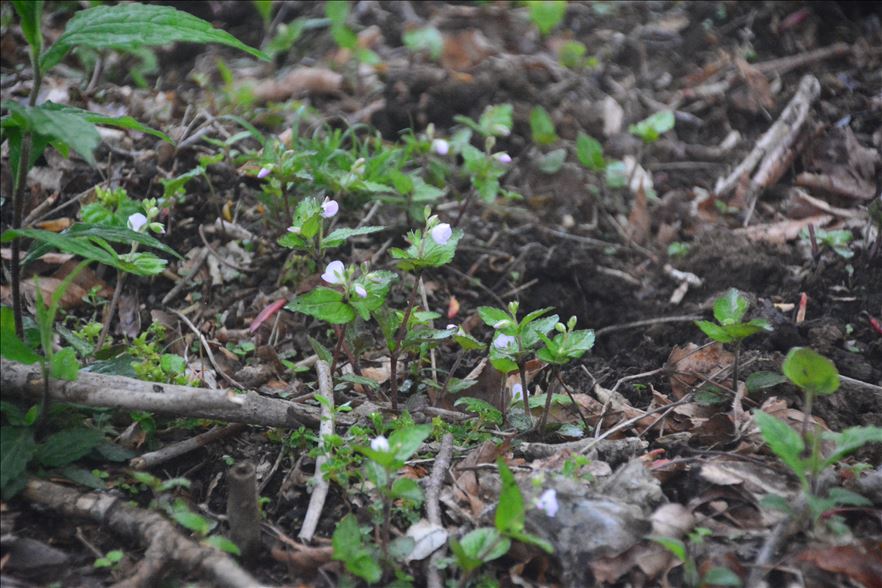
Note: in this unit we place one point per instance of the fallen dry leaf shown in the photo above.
(302, 80)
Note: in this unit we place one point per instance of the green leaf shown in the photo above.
(376, 285)
(121, 122)
(16, 450)
(339, 236)
(811, 371)
(494, 316)
(63, 129)
(11, 347)
(482, 408)
(135, 25)
(762, 380)
(616, 174)
(714, 331)
(844, 497)
(224, 544)
(403, 443)
(531, 539)
(850, 440)
(479, 546)
(590, 152)
(324, 304)
(553, 161)
(67, 446)
(783, 441)
(730, 307)
(542, 127)
(675, 546)
(349, 548)
(495, 121)
(720, 576)
(191, 521)
(30, 13)
(546, 14)
(502, 363)
(337, 11)
(83, 477)
(407, 489)
(323, 352)
(654, 126)
(711, 396)
(424, 252)
(467, 342)
(510, 510)
(426, 39)
(121, 235)
(64, 364)
(776, 502)
(740, 331)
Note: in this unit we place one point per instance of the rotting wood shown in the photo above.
(166, 547)
(130, 394)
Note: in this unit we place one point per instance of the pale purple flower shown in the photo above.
(440, 146)
(502, 157)
(517, 392)
(137, 222)
(329, 208)
(359, 289)
(264, 172)
(380, 444)
(452, 327)
(334, 272)
(441, 233)
(503, 341)
(295, 229)
(547, 502)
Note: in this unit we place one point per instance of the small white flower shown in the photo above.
(441, 233)
(440, 146)
(503, 341)
(137, 222)
(502, 157)
(329, 208)
(547, 502)
(380, 443)
(294, 229)
(334, 272)
(359, 289)
(452, 327)
(517, 393)
(264, 172)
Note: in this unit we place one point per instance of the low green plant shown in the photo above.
(567, 345)
(110, 559)
(542, 126)
(151, 365)
(337, 11)
(802, 452)
(546, 14)
(654, 126)
(838, 241)
(424, 40)
(729, 310)
(686, 553)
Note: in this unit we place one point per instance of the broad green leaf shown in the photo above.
(842, 496)
(720, 576)
(480, 407)
(546, 14)
(552, 162)
(850, 440)
(135, 25)
(590, 152)
(16, 449)
(739, 331)
(531, 539)
(30, 12)
(467, 342)
(715, 331)
(337, 11)
(510, 509)
(424, 252)
(776, 502)
(376, 285)
(324, 304)
(264, 8)
(494, 316)
(730, 307)
(64, 364)
(121, 122)
(542, 127)
(426, 39)
(783, 441)
(675, 546)
(531, 331)
(11, 347)
(572, 54)
(408, 489)
(224, 544)
(67, 446)
(360, 380)
(192, 521)
(349, 548)
(405, 442)
(762, 380)
(811, 371)
(64, 130)
(484, 544)
(502, 363)
(339, 236)
(83, 477)
(654, 126)
(495, 121)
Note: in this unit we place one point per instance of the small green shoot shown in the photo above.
(654, 126)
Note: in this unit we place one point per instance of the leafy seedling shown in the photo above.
(546, 14)
(568, 344)
(729, 309)
(542, 127)
(653, 126)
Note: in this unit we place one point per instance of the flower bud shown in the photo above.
(380, 443)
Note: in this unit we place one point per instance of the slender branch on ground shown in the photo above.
(208, 350)
(175, 450)
(326, 428)
(433, 510)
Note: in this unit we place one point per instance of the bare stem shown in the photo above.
(399, 337)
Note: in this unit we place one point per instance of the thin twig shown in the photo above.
(433, 510)
(647, 322)
(170, 452)
(326, 428)
(208, 351)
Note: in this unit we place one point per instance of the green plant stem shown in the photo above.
(399, 338)
(575, 404)
(809, 438)
(341, 332)
(465, 205)
(522, 371)
(387, 518)
(735, 367)
(552, 380)
(114, 302)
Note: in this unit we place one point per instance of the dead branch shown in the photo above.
(120, 392)
(320, 491)
(243, 513)
(165, 545)
(845, 187)
(169, 452)
(433, 510)
(784, 131)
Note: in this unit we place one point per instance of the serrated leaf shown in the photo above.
(714, 331)
(542, 127)
(67, 446)
(407, 489)
(811, 371)
(64, 364)
(783, 441)
(552, 162)
(762, 380)
(62, 129)
(652, 127)
(496, 120)
(16, 450)
(509, 516)
(730, 307)
(339, 236)
(589, 151)
(11, 347)
(135, 25)
(850, 440)
(324, 304)
(493, 316)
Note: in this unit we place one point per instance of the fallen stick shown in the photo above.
(165, 545)
(783, 131)
(433, 509)
(120, 392)
(326, 428)
(170, 452)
